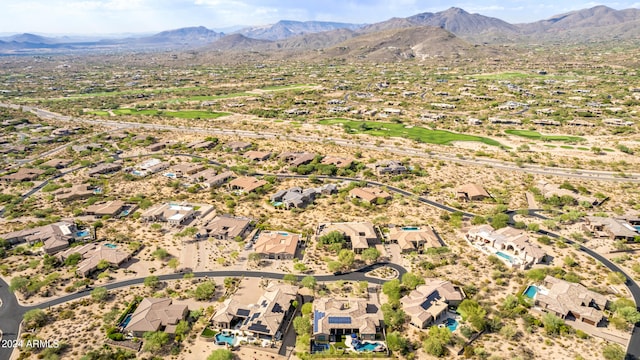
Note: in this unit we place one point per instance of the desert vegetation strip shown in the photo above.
(400, 130)
(534, 135)
(286, 87)
(118, 93)
(183, 114)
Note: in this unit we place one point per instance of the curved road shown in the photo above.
(11, 311)
(10, 303)
(405, 151)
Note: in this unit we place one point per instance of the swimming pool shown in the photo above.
(276, 203)
(411, 228)
(82, 233)
(367, 346)
(531, 291)
(637, 228)
(505, 256)
(125, 212)
(452, 324)
(111, 246)
(137, 173)
(283, 233)
(126, 320)
(221, 339)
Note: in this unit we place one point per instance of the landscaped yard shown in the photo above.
(534, 135)
(400, 130)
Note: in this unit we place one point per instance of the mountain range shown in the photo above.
(599, 23)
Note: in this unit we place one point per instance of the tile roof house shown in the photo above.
(333, 318)
(23, 174)
(339, 162)
(369, 194)
(210, 178)
(264, 319)
(174, 214)
(104, 168)
(612, 228)
(359, 235)
(237, 146)
(93, 254)
(76, 192)
(299, 198)
(185, 169)
(510, 244)
(58, 163)
(277, 245)
(56, 237)
(257, 155)
(571, 301)
(110, 208)
(297, 158)
(227, 227)
(413, 238)
(156, 314)
(471, 192)
(389, 167)
(428, 303)
(247, 184)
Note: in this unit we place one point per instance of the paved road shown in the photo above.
(407, 150)
(633, 349)
(11, 312)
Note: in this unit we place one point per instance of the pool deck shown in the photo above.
(241, 336)
(349, 347)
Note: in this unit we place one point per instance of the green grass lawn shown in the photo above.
(183, 114)
(400, 130)
(534, 135)
(567, 147)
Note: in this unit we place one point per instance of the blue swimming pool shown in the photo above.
(82, 233)
(225, 338)
(452, 324)
(505, 256)
(125, 212)
(637, 228)
(276, 203)
(531, 291)
(283, 233)
(367, 346)
(126, 320)
(111, 246)
(411, 228)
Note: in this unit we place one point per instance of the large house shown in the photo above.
(414, 238)
(359, 235)
(112, 209)
(428, 303)
(510, 244)
(471, 192)
(277, 245)
(227, 227)
(571, 301)
(185, 169)
(55, 237)
(255, 155)
(175, 214)
(612, 228)
(246, 184)
(297, 158)
(210, 178)
(93, 254)
(23, 174)
(389, 167)
(369, 194)
(76, 192)
(156, 314)
(299, 198)
(105, 168)
(333, 318)
(266, 319)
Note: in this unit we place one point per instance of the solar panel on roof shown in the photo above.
(339, 320)
(277, 308)
(243, 312)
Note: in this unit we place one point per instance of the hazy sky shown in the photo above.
(119, 16)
